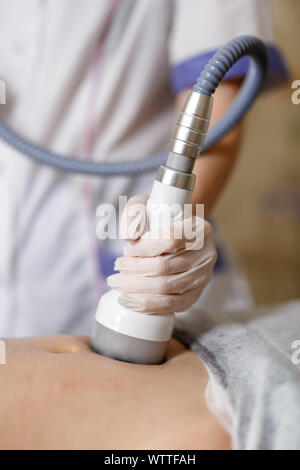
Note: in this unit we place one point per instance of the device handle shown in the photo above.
(165, 205)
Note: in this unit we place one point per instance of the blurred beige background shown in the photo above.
(259, 213)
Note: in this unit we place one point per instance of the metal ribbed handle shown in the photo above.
(192, 125)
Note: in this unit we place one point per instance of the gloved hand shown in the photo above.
(162, 275)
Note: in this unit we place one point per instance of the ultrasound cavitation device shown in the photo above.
(118, 332)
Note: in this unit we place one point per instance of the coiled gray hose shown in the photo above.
(206, 84)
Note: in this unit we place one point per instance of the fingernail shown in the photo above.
(116, 265)
(132, 229)
(111, 281)
(131, 232)
(126, 301)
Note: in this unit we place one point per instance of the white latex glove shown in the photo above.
(162, 275)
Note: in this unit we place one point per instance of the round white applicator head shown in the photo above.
(130, 336)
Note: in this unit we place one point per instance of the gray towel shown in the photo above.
(252, 358)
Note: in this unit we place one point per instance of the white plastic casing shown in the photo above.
(150, 327)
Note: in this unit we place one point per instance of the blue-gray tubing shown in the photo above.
(208, 81)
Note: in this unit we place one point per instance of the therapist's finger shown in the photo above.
(160, 304)
(134, 218)
(166, 285)
(148, 246)
(158, 265)
(188, 233)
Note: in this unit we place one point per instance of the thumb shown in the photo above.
(134, 220)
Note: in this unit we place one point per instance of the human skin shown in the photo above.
(57, 394)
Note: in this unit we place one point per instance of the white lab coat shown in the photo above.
(82, 83)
